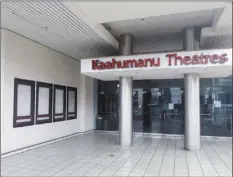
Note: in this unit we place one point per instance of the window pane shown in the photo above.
(71, 96)
(24, 100)
(216, 106)
(43, 107)
(59, 101)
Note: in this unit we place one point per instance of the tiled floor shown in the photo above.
(98, 154)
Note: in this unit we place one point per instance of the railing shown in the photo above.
(216, 119)
(157, 115)
(174, 116)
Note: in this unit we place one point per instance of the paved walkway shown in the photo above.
(98, 154)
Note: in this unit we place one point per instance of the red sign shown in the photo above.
(173, 59)
(132, 63)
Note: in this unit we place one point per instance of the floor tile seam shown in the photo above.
(141, 143)
(223, 151)
(83, 158)
(35, 162)
(219, 147)
(199, 163)
(174, 167)
(90, 160)
(163, 158)
(96, 164)
(221, 159)
(216, 154)
(209, 159)
(137, 160)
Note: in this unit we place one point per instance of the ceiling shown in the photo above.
(153, 19)
(165, 25)
(104, 12)
(77, 29)
(160, 25)
(54, 25)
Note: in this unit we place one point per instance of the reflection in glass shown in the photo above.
(216, 106)
(158, 106)
(108, 106)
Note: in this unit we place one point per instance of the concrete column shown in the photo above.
(192, 94)
(125, 123)
(126, 128)
(126, 44)
(95, 111)
(192, 111)
(192, 37)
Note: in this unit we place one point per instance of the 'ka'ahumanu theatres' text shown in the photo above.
(173, 59)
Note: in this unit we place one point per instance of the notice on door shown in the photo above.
(217, 104)
(170, 106)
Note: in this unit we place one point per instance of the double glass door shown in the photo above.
(158, 107)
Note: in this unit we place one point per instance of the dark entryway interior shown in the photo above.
(158, 106)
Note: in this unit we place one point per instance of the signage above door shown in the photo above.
(206, 63)
(172, 59)
(131, 63)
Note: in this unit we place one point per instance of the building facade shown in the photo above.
(185, 93)
(156, 69)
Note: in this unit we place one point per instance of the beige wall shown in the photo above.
(26, 59)
(86, 103)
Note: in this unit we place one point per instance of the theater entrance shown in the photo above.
(158, 106)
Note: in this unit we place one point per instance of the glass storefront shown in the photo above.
(158, 106)
(216, 106)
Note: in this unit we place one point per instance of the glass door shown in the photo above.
(108, 105)
(156, 111)
(173, 110)
(158, 106)
(167, 110)
(138, 110)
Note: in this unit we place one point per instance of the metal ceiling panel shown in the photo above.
(52, 24)
(216, 42)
